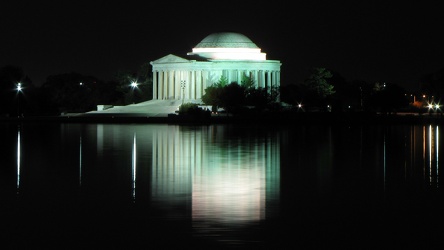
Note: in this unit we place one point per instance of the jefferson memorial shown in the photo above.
(175, 79)
(226, 54)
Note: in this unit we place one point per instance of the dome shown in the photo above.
(228, 46)
(226, 40)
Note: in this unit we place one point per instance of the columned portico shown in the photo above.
(230, 55)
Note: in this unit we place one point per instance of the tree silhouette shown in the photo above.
(318, 82)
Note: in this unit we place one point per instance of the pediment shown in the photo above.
(170, 59)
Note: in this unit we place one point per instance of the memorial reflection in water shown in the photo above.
(220, 181)
(227, 181)
(216, 174)
(196, 168)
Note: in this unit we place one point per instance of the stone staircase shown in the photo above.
(152, 108)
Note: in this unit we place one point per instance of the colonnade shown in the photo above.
(191, 84)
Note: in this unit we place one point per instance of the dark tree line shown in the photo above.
(432, 85)
(322, 90)
(325, 90)
(70, 92)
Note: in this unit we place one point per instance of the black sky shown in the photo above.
(370, 41)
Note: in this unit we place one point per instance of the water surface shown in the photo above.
(149, 185)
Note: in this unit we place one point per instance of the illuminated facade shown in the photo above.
(231, 55)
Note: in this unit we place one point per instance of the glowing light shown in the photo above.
(19, 89)
(430, 106)
(230, 53)
(300, 107)
(134, 84)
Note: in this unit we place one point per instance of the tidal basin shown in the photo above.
(69, 185)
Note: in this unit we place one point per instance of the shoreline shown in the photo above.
(264, 119)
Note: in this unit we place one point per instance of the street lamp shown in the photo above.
(133, 86)
(19, 90)
(300, 108)
(182, 85)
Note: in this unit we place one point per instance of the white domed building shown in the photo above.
(227, 54)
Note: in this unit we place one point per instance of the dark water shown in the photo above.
(151, 186)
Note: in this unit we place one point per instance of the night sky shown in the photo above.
(369, 41)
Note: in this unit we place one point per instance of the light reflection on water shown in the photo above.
(18, 159)
(222, 178)
(433, 148)
(193, 172)
(225, 182)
